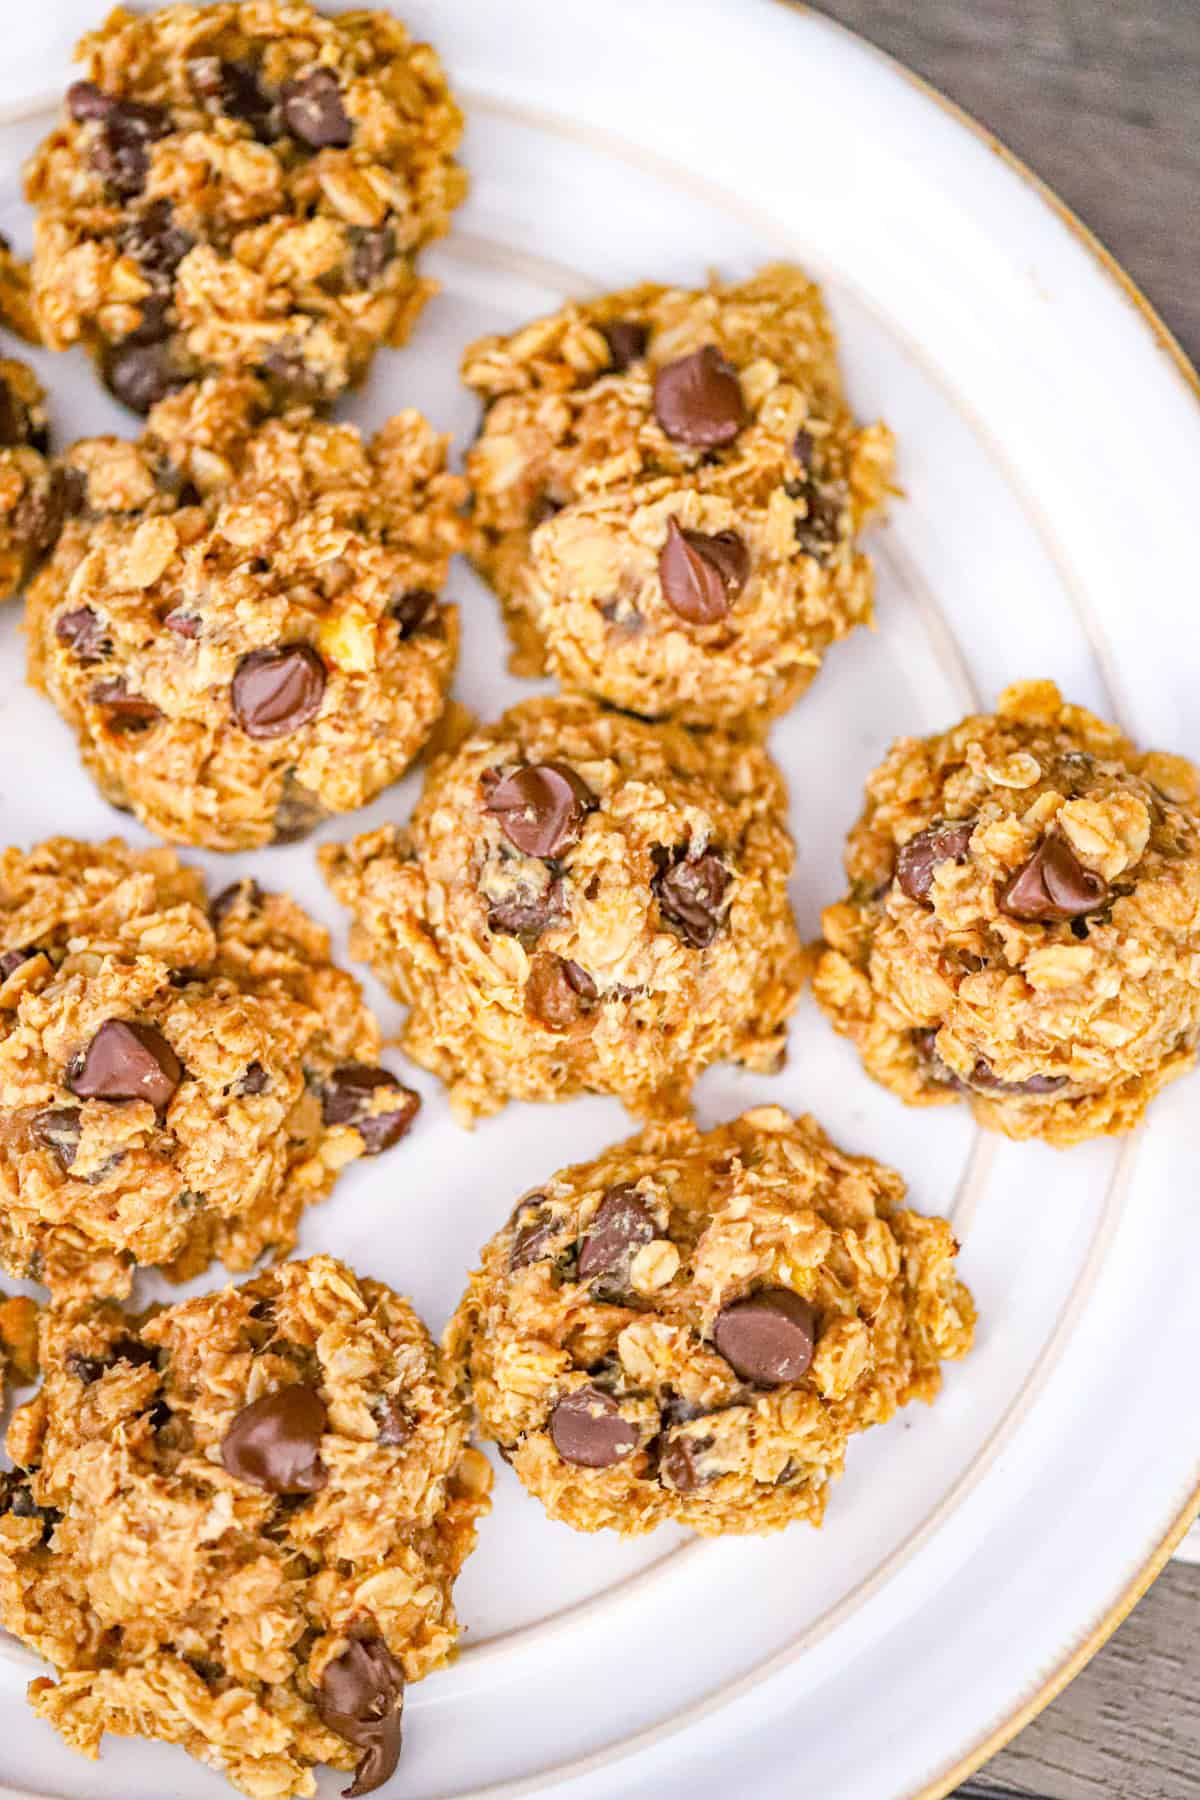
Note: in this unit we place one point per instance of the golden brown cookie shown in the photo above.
(240, 621)
(692, 1325)
(242, 187)
(33, 494)
(1022, 928)
(668, 488)
(235, 1524)
(582, 903)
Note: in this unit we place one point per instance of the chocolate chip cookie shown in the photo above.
(242, 187)
(583, 902)
(240, 620)
(179, 1078)
(692, 1326)
(235, 1524)
(1022, 929)
(668, 488)
(33, 494)
(18, 1340)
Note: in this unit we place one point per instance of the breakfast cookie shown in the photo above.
(691, 1326)
(178, 1079)
(1022, 928)
(240, 620)
(235, 1524)
(33, 497)
(242, 187)
(582, 903)
(668, 487)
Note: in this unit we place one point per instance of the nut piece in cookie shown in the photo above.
(240, 619)
(692, 1326)
(582, 903)
(1022, 929)
(242, 188)
(178, 1079)
(668, 488)
(216, 1541)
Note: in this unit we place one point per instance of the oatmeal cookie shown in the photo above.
(16, 302)
(33, 495)
(178, 1080)
(1022, 928)
(240, 619)
(242, 187)
(583, 902)
(691, 1326)
(667, 491)
(235, 1524)
(18, 1340)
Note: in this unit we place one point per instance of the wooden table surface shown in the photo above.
(1102, 99)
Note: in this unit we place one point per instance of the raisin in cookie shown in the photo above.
(692, 1326)
(583, 902)
(177, 1080)
(1023, 922)
(667, 491)
(242, 187)
(235, 1524)
(33, 494)
(240, 620)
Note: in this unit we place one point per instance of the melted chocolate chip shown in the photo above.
(925, 1045)
(622, 1223)
(85, 101)
(524, 913)
(534, 1233)
(690, 891)
(120, 153)
(372, 252)
(182, 624)
(156, 243)
(411, 608)
(626, 341)
(767, 1338)
(57, 1129)
(275, 692)
(818, 532)
(983, 1079)
(16, 422)
(126, 1061)
(702, 575)
(361, 1699)
(803, 445)
(588, 1430)
(698, 400)
(313, 110)
(541, 807)
(346, 1099)
(234, 88)
(291, 381)
(395, 1426)
(275, 1442)
(88, 1369)
(16, 1497)
(140, 374)
(127, 711)
(83, 633)
(679, 1465)
(12, 960)
(254, 1081)
(244, 893)
(558, 993)
(947, 840)
(1053, 885)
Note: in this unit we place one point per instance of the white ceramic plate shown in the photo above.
(1048, 448)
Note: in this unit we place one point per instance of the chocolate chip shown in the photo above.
(120, 153)
(57, 1129)
(275, 1442)
(126, 710)
(558, 993)
(690, 891)
(346, 1097)
(361, 1699)
(85, 101)
(126, 1061)
(254, 1081)
(291, 381)
(587, 1429)
(544, 507)
(1053, 885)
(277, 691)
(16, 1497)
(698, 400)
(41, 511)
(701, 575)
(767, 1338)
(313, 110)
(395, 1426)
(234, 87)
(373, 250)
(925, 1045)
(126, 1349)
(626, 342)
(679, 1465)
(16, 423)
(182, 624)
(244, 893)
(946, 840)
(154, 241)
(82, 632)
(988, 1083)
(12, 960)
(803, 445)
(524, 913)
(410, 609)
(541, 807)
(622, 1223)
(141, 374)
(818, 532)
(85, 1369)
(533, 1234)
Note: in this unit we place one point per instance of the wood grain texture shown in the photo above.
(1102, 99)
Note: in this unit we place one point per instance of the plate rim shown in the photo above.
(1119, 1609)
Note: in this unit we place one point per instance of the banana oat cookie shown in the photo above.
(178, 1079)
(240, 621)
(692, 1326)
(242, 187)
(235, 1525)
(583, 902)
(668, 488)
(1023, 923)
